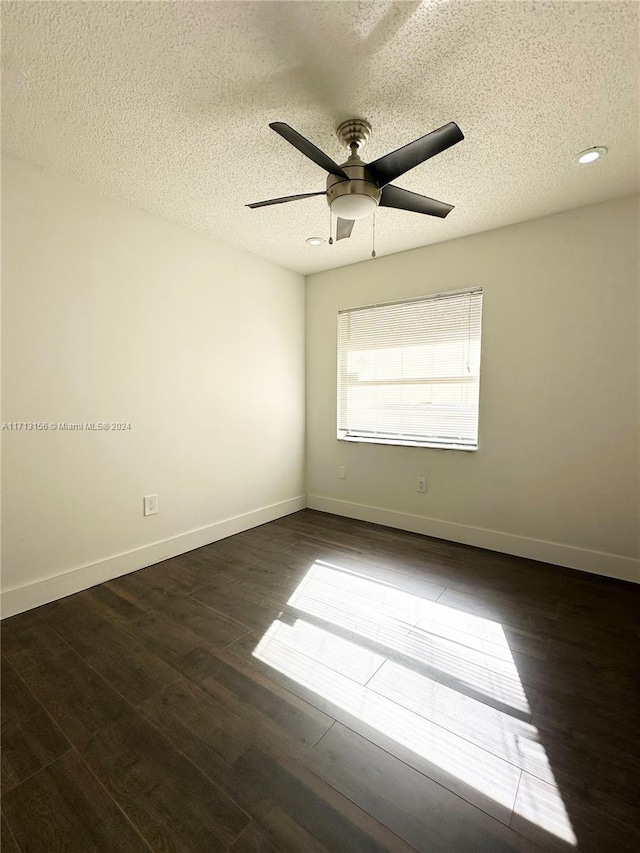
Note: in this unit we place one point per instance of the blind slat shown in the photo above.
(423, 380)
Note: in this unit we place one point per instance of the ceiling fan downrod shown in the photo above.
(354, 132)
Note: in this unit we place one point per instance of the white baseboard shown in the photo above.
(596, 562)
(43, 591)
(21, 598)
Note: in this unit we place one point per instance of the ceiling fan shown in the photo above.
(355, 188)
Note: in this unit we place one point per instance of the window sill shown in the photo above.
(396, 442)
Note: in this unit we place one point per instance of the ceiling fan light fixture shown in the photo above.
(590, 155)
(356, 188)
(353, 206)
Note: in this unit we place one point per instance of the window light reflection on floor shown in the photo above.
(468, 648)
(376, 654)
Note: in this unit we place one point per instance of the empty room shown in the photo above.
(320, 426)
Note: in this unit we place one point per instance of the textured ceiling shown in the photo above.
(167, 106)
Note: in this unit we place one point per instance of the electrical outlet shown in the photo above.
(342, 473)
(150, 504)
(421, 484)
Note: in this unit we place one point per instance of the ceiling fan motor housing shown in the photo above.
(356, 198)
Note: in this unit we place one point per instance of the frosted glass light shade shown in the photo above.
(353, 206)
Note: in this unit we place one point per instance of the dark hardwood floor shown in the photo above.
(322, 684)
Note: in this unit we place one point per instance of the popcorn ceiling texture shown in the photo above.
(166, 106)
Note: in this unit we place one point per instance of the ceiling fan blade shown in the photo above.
(406, 200)
(344, 228)
(391, 166)
(308, 149)
(281, 200)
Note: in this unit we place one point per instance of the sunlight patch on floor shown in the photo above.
(488, 755)
(468, 648)
(460, 759)
(541, 804)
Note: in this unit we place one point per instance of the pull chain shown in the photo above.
(330, 227)
(373, 253)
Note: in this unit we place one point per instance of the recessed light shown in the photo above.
(590, 155)
(314, 241)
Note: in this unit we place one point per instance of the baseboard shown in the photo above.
(21, 598)
(596, 562)
(43, 591)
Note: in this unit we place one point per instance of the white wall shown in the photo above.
(556, 476)
(112, 314)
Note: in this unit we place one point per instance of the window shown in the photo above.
(409, 372)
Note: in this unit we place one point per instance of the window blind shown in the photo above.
(409, 372)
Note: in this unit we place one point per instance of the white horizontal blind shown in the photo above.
(409, 372)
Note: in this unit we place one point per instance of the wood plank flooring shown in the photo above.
(322, 684)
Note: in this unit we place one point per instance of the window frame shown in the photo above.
(378, 437)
